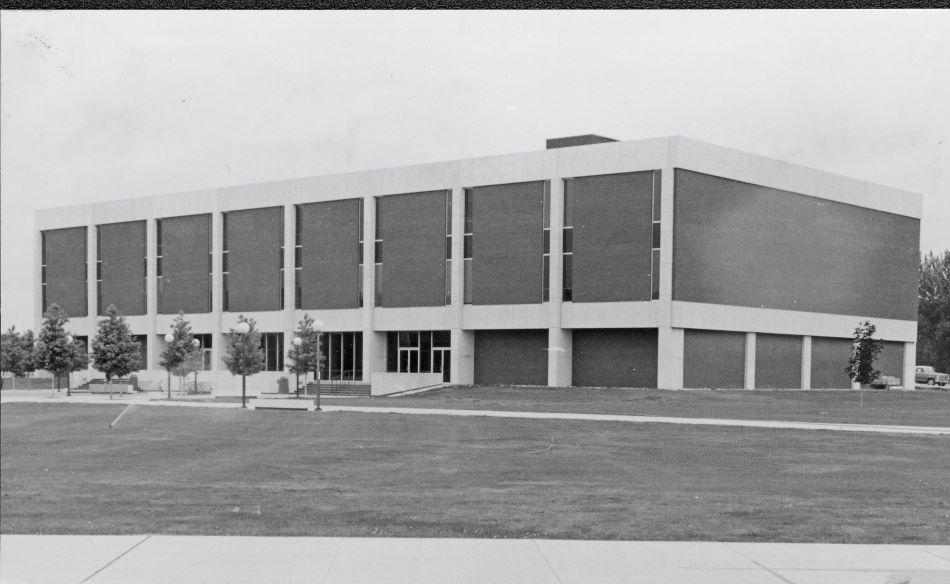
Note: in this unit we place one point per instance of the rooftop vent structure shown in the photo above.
(582, 140)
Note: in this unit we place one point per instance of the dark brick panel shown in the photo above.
(330, 242)
(515, 357)
(186, 248)
(829, 358)
(507, 243)
(66, 270)
(613, 234)
(778, 362)
(615, 357)
(746, 245)
(891, 360)
(122, 255)
(713, 359)
(413, 234)
(254, 250)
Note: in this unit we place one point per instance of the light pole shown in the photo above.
(197, 345)
(243, 328)
(69, 374)
(169, 338)
(297, 342)
(318, 327)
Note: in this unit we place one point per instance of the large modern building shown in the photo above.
(665, 263)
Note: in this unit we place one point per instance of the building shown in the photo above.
(664, 263)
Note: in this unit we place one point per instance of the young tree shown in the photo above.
(306, 358)
(933, 312)
(54, 351)
(114, 352)
(179, 351)
(864, 350)
(245, 356)
(16, 353)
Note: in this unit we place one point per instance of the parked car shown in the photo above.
(926, 374)
(886, 382)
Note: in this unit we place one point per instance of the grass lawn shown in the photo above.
(918, 408)
(211, 471)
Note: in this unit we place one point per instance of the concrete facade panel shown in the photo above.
(612, 236)
(65, 255)
(254, 249)
(507, 243)
(331, 255)
(741, 244)
(413, 243)
(122, 267)
(778, 362)
(714, 359)
(615, 358)
(511, 357)
(186, 264)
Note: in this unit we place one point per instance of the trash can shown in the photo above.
(283, 386)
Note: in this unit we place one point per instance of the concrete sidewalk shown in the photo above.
(150, 400)
(38, 559)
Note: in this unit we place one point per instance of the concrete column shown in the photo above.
(463, 357)
(669, 339)
(151, 293)
(92, 254)
(374, 344)
(217, 289)
(560, 357)
(750, 361)
(910, 365)
(560, 341)
(38, 308)
(670, 355)
(462, 368)
(289, 297)
(806, 362)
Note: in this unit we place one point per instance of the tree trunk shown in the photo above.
(243, 389)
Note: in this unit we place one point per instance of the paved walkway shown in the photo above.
(150, 400)
(331, 560)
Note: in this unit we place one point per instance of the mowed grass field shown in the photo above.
(177, 470)
(917, 408)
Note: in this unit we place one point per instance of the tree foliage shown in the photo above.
(933, 312)
(864, 350)
(16, 352)
(306, 358)
(181, 355)
(114, 352)
(54, 352)
(244, 356)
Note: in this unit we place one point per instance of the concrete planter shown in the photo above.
(114, 388)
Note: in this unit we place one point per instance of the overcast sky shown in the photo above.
(108, 105)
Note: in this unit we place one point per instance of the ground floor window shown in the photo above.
(142, 340)
(419, 352)
(204, 343)
(273, 346)
(342, 356)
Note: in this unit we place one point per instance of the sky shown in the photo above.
(97, 106)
